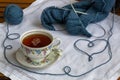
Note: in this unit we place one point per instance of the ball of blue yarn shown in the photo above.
(13, 14)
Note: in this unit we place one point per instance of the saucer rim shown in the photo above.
(29, 65)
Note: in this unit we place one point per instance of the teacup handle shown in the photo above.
(56, 42)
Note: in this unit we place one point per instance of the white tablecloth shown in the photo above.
(70, 56)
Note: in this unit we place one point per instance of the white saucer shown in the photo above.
(51, 58)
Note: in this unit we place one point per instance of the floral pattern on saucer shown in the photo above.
(45, 60)
(49, 59)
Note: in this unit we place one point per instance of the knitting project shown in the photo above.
(76, 22)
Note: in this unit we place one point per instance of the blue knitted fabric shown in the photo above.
(13, 14)
(76, 24)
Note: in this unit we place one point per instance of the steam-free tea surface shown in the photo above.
(36, 40)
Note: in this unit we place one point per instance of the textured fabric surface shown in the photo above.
(76, 24)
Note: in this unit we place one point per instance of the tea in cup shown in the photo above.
(37, 44)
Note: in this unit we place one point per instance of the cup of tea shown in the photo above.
(37, 44)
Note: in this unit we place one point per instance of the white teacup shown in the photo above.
(37, 44)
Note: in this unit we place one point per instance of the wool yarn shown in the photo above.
(76, 23)
(13, 14)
